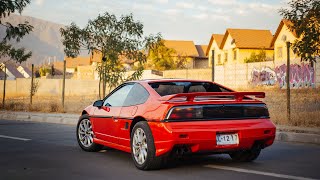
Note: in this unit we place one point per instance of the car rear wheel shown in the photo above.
(85, 135)
(143, 151)
(246, 155)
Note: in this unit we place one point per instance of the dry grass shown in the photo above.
(73, 104)
(305, 105)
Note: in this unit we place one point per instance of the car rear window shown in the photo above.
(168, 88)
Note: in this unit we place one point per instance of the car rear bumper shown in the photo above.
(200, 136)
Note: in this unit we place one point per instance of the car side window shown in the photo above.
(118, 97)
(137, 95)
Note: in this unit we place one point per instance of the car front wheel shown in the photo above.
(85, 135)
(143, 150)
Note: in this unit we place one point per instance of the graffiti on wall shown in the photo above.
(264, 76)
(300, 76)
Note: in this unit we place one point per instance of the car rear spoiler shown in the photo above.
(238, 96)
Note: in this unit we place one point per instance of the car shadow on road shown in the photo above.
(195, 160)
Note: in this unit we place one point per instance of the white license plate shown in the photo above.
(227, 139)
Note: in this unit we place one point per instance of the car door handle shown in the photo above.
(115, 120)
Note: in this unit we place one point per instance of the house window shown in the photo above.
(225, 57)
(219, 58)
(279, 52)
(234, 54)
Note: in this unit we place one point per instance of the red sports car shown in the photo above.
(152, 119)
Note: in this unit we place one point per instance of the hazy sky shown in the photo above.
(176, 19)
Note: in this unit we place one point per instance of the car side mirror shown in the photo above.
(98, 103)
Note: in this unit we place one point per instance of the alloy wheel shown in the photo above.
(140, 146)
(85, 133)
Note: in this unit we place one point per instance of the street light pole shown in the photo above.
(212, 65)
(32, 84)
(4, 87)
(63, 83)
(288, 82)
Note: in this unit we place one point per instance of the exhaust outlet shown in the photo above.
(182, 150)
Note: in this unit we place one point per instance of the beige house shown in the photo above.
(282, 35)
(58, 65)
(185, 49)
(239, 44)
(214, 44)
(195, 54)
(201, 61)
(87, 66)
(73, 63)
(87, 72)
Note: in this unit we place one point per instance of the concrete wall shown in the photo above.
(201, 74)
(250, 74)
(233, 76)
(149, 74)
(51, 87)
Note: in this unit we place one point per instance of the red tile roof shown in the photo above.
(78, 61)
(182, 48)
(249, 38)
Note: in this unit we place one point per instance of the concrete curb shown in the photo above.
(70, 119)
(299, 129)
(284, 133)
(298, 137)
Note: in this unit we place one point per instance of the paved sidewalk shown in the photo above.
(284, 133)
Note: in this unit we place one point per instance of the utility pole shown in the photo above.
(288, 82)
(32, 88)
(63, 82)
(104, 83)
(4, 86)
(212, 65)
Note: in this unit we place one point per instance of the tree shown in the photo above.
(15, 33)
(43, 71)
(305, 18)
(257, 57)
(34, 88)
(111, 38)
(163, 58)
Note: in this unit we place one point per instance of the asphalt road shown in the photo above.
(50, 151)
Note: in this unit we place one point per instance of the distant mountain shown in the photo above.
(44, 41)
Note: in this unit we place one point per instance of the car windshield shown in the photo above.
(168, 88)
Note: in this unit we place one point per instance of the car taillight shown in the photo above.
(185, 112)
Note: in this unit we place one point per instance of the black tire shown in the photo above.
(151, 162)
(246, 155)
(93, 147)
